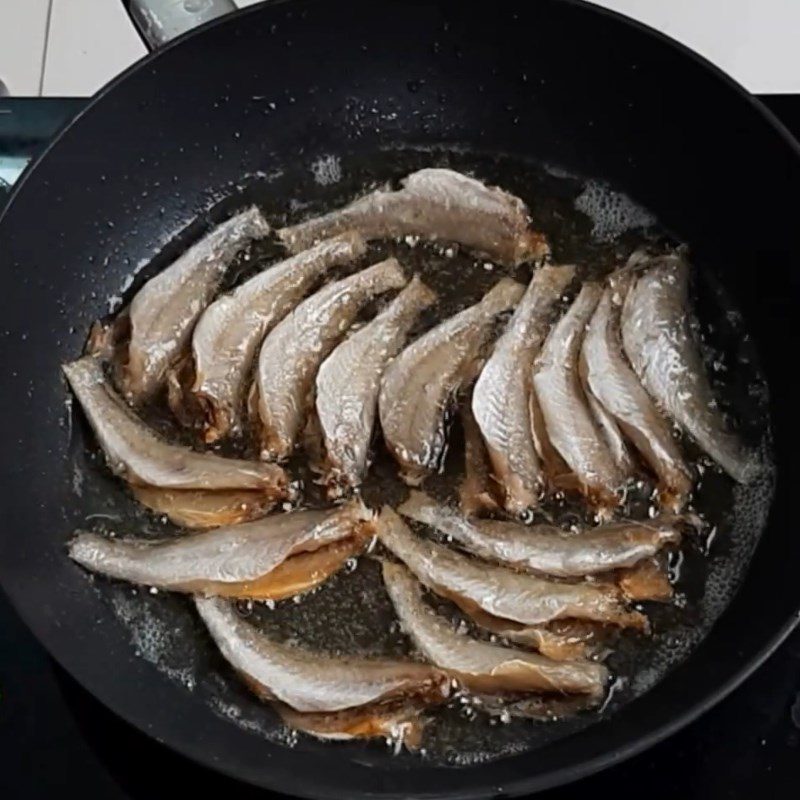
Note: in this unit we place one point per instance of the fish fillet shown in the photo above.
(500, 591)
(659, 342)
(545, 548)
(571, 427)
(434, 204)
(142, 457)
(311, 682)
(611, 380)
(501, 398)
(482, 666)
(228, 334)
(348, 383)
(295, 348)
(233, 561)
(418, 386)
(165, 310)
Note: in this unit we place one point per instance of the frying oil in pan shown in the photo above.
(587, 224)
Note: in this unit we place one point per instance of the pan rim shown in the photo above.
(518, 786)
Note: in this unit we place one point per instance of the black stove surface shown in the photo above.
(54, 736)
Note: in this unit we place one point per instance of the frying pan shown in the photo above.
(274, 87)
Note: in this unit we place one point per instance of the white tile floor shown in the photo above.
(88, 42)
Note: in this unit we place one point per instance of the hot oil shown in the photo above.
(588, 225)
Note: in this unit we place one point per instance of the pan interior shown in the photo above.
(588, 223)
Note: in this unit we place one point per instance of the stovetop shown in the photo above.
(54, 736)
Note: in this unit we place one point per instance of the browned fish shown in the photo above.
(165, 310)
(418, 387)
(501, 398)
(477, 492)
(483, 667)
(199, 509)
(311, 682)
(435, 204)
(143, 458)
(295, 348)
(500, 591)
(253, 560)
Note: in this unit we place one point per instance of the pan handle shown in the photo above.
(158, 21)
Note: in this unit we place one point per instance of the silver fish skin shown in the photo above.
(437, 204)
(501, 398)
(571, 427)
(164, 311)
(498, 590)
(481, 666)
(230, 555)
(659, 343)
(547, 549)
(348, 383)
(140, 456)
(293, 351)
(230, 330)
(311, 682)
(611, 380)
(418, 387)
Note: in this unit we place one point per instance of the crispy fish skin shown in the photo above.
(200, 509)
(481, 666)
(562, 640)
(501, 398)
(418, 386)
(228, 334)
(348, 383)
(223, 561)
(476, 492)
(612, 381)
(571, 426)
(143, 458)
(660, 345)
(398, 722)
(436, 204)
(498, 590)
(310, 682)
(547, 549)
(165, 310)
(296, 346)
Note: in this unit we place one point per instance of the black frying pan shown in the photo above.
(601, 97)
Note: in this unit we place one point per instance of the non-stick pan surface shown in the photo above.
(274, 88)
